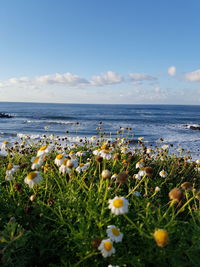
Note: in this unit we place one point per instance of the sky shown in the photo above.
(100, 51)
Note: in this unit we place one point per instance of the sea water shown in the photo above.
(150, 121)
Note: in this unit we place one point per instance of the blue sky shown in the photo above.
(100, 51)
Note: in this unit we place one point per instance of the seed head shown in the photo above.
(175, 194)
(122, 177)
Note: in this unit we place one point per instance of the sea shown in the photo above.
(170, 122)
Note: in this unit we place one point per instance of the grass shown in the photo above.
(62, 220)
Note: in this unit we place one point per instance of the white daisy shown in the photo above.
(82, 167)
(80, 153)
(165, 147)
(97, 152)
(163, 174)
(63, 168)
(33, 178)
(142, 172)
(37, 163)
(118, 205)
(10, 170)
(106, 248)
(114, 234)
(139, 164)
(5, 145)
(137, 176)
(59, 159)
(43, 150)
(105, 154)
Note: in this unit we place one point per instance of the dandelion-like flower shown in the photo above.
(33, 178)
(106, 248)
(118, 205)
(161, 237)
(114, 233)
(163, 174)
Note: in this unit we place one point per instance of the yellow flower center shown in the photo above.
(9, 167)
(104, 146)
(59, 156)
(36, 160)
(31, 175)
(81, 164)
(43, 148)
(115, 231)
(5, 142)
(118, 203)
(107, 245)
(107, 151)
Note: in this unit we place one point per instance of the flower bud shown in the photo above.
(99, 159)
(70, 164)
(161, 237)
(186, 185)
(17, 187)
(32, 197)
(106, 174)
(149, 171)
(117, 156)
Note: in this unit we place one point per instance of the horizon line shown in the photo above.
(62, 103)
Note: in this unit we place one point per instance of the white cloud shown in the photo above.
(193, 76)
(141, 77)
(107, 78)
(65, 79)
(171, 71)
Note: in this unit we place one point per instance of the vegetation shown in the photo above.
(98, 202)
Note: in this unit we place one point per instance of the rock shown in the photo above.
(3, 115)
(195, 127)
(192, 126)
